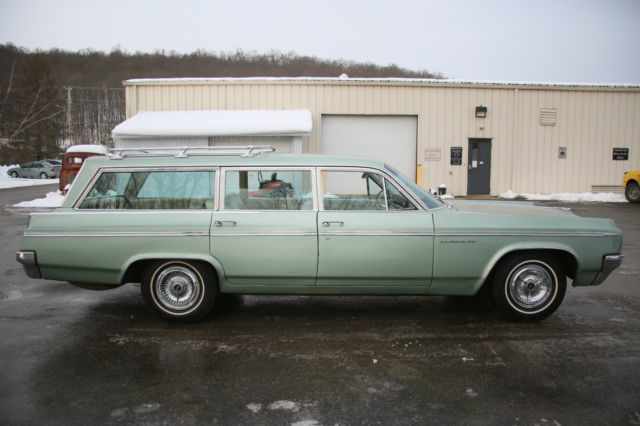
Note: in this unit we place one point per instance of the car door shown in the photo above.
(264, 233)
(38, 167)
(370, 235)
(126, 215)
(27, 170)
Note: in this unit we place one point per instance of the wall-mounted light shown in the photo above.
(481, 111)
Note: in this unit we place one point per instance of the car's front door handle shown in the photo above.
(332, 223)
(224, 223)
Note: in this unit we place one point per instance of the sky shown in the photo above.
(582, 41)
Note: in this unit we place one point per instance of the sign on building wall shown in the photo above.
(562, 153)
(456, 155)
(620, 153)
(432, 154)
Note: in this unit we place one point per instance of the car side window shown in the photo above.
(268, 190)
(357, 190)
(396, 200)
(152, 190)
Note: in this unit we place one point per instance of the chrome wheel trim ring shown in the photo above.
(177, 287)
(531, 287)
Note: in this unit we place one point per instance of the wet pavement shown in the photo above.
(73, 356)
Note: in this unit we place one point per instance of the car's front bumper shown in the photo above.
(29, 263)
(609, 263)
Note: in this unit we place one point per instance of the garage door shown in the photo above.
(389, 138)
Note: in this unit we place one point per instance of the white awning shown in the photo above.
(216, 123)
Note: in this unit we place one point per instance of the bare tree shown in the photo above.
(30, 109)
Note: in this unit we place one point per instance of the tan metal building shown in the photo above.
(475, 138)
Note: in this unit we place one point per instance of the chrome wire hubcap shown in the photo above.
(178, 287)
(530, 286)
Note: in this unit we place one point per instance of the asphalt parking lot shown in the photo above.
(73, 356)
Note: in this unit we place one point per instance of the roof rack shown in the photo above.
(187, 151)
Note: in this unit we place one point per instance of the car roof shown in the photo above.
(261, 160)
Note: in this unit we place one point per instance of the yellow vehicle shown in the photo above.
(631, 183)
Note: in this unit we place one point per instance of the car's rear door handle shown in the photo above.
(332, 223)
(224, 223)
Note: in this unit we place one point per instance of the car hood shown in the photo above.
(515, 217)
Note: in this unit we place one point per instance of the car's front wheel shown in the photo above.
(632, 192)
(528, 287)
(180, 291)
(14, 174)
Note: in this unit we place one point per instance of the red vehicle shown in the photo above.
(73, 160)
(273, 188)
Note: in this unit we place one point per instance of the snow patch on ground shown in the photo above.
(601, 197)
(52, 199)
(284, 406)
(254, 407)
(306, 423)
(7, 181)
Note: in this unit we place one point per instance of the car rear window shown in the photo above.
(152, 190)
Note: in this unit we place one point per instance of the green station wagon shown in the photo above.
(194, 223)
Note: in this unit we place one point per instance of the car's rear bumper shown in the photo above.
(609, 263)
(29, 263)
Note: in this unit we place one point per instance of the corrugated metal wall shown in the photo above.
(590, 122)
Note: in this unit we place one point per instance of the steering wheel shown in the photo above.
(375, 202)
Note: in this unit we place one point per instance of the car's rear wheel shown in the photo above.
(632, 192)
(43, 175)
(179, 290)
(528, 287)
(14, 174)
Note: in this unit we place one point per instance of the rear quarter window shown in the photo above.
(151, 190)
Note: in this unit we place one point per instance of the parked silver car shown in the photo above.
(35, 169)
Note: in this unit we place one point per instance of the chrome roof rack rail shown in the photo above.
(187, 151)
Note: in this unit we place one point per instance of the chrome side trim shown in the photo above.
(524, 234)
(125, 211)
(115, 234)
(609, 263)
(375, 234)
(265, 234)
(523, 206)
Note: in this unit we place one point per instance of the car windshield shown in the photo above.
(428, 200)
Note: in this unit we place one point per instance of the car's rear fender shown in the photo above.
(136, 265)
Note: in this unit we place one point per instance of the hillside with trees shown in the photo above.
(49, 97)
